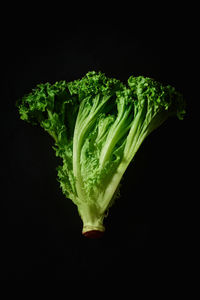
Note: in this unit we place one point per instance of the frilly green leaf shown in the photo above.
(98, 124)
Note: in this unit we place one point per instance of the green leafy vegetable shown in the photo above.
(98, 125)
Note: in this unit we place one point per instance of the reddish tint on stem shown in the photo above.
(93, 234)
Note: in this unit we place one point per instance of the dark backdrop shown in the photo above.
(41, 236)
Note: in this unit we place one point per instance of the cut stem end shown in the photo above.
(93, 234)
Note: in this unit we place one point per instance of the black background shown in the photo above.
(41, 236)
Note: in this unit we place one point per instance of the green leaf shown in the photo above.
(98, 124)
